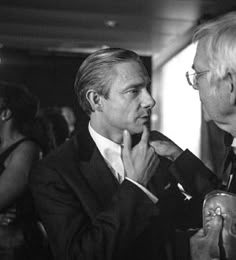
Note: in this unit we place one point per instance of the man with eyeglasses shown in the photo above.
(193, 77)
(214, 77)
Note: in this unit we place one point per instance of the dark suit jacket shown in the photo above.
(196, 178)
(89, 215)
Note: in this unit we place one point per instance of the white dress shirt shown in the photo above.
(111, 152)
(234, 144)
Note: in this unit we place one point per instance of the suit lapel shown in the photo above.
(87, 173)
(99, 178)
(94, 170)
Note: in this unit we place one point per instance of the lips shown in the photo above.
(145, 118)
(145, 115)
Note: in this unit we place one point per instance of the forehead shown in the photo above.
(130, 71)
(200, 62)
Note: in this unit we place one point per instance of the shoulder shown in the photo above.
(27, 145)
(63, 153)
(25, 151)
(67, 157)
(56, 164)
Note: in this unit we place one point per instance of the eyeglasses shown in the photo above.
(192, 78)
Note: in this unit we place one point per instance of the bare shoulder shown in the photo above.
(28, 144)
(26, 150)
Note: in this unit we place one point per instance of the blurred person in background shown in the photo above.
(70, 117)
(58, 124)
(50, 129)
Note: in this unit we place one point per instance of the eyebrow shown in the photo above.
(134, 86)
(138, 85)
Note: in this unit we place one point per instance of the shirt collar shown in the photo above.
(234, 143)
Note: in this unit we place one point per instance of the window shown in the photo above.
(178, 109)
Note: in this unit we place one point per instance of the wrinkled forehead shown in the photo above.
(129, 70)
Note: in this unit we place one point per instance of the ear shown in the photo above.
(6, 114)
(94, 99)
(232, 87)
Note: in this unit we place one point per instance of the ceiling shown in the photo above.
(150, 27)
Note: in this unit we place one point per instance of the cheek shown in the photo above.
(131, 112)
(117, 112)
(206, 96)
(123, 110)
(203, 92)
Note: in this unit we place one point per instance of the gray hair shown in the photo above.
(220, 38)
(95, 73)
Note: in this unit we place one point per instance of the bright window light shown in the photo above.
(179, 112)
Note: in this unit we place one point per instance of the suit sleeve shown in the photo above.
(73, 234)
(193, 175)
(196, 179)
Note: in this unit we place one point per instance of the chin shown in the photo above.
(136, 130)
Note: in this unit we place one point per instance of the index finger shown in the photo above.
(127, 143)
(145, 135)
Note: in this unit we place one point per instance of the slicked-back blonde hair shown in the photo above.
(95, 73)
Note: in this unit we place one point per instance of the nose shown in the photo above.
(195, 85)
(147, 100)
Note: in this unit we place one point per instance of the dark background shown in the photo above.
(50, 76)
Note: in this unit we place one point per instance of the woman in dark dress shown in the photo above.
(18, 108)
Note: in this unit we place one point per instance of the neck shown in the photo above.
(229, 125)
(107, 131)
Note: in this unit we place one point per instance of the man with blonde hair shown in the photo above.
(94, 194)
